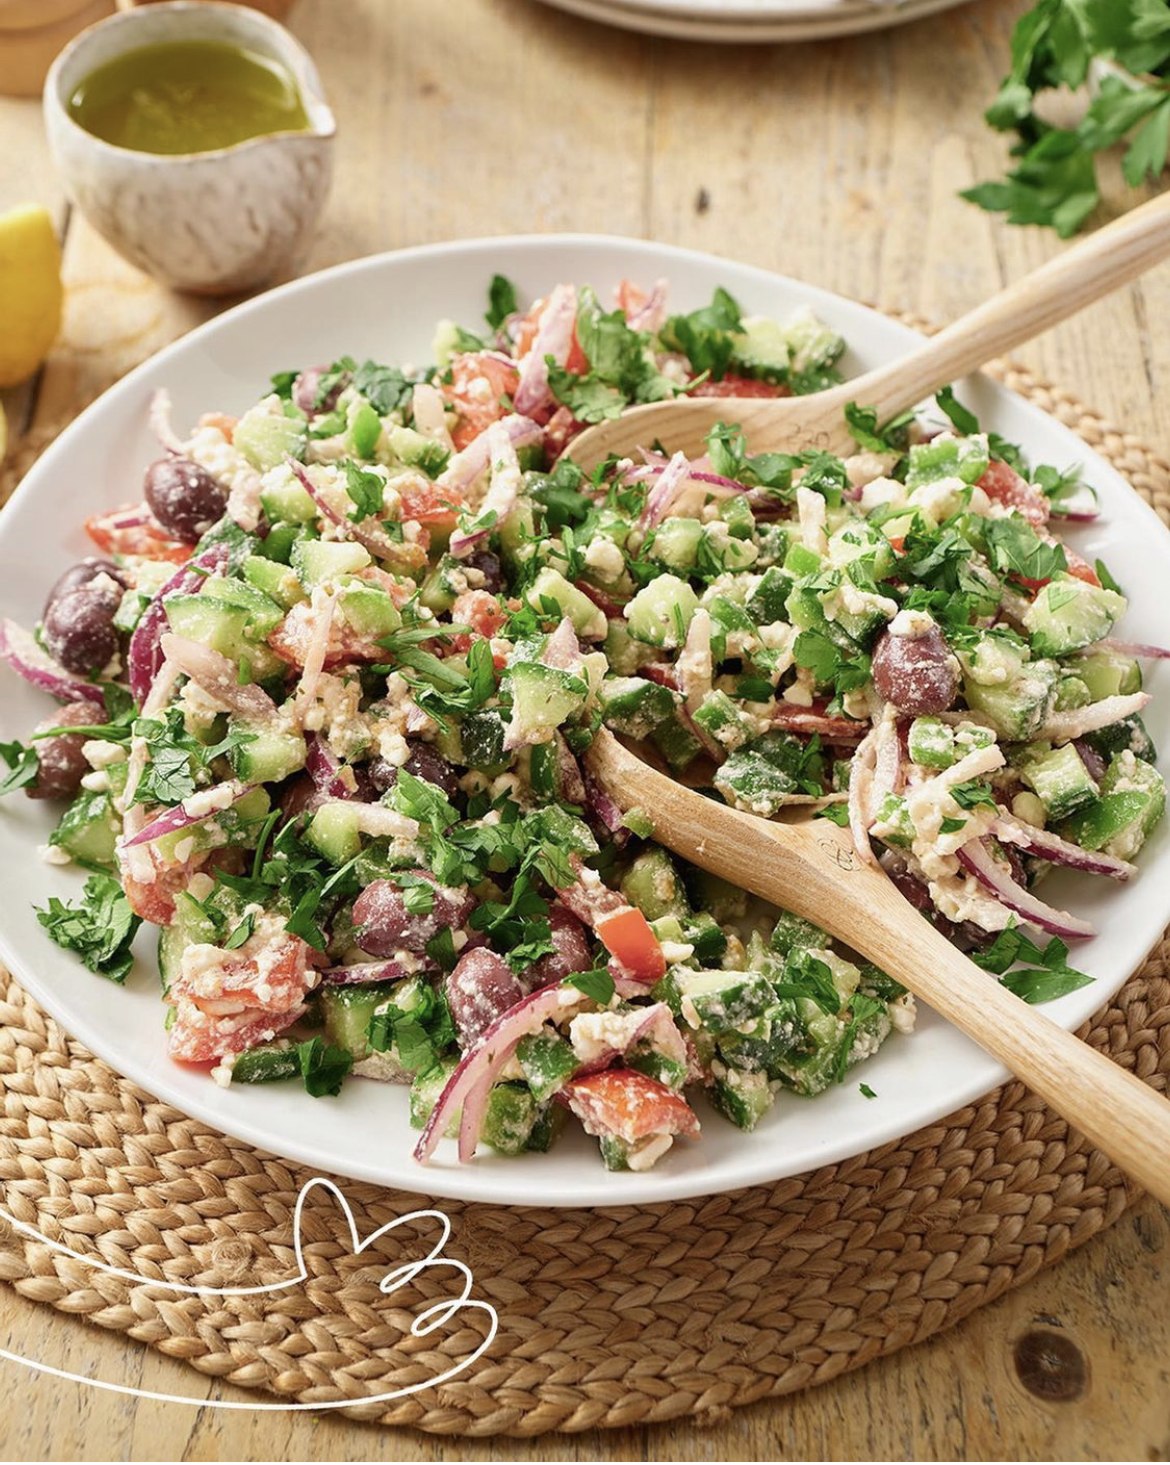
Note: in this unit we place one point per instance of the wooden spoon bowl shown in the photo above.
(1111, 257)
(810, 867)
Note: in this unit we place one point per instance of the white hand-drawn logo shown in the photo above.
(431, 1318)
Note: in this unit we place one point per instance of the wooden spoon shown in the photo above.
(1092, 268)
(812, 869)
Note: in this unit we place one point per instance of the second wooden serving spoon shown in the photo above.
(812, 869)
(1111, 257)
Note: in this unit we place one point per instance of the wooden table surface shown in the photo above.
(836, 162)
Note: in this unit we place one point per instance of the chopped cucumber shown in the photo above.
(548, 1062)
(266, 438)
(1069, 613)
(1109, 674)
(742, 1097)
(347, 1012)
(543, 697)
(369, 610)
(269, 755)
(288, 501)
(721, 719)
(333, 830)
(212, 623)
(1018, 708)
(948, 457)
(654, 885)
(266, 1065)
(721, 1001)
(262, 612)
(318, 561)
(88, 830)
(1060, 779)
(676, 543)
(551, 586)
(931, 743)
(766, 604)
(661, 612)
(635, 706)
(1133, 799)
(276, 580)
(482, 737)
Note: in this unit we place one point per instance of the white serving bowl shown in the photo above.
(386, 308)
(212, 222)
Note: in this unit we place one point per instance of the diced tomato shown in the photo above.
(739, 386)
(275, 979)
(629, 1104)
(627, 936)
(428, 503)
(630, 298)
(1003, 485)
(293, 637)
(559, 431)
(148, 540)
(195, 1038)
(1079, 568)
(478, 381)
(220, 420)
(154, 900)
(479, 610)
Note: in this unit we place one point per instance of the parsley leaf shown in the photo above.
(866, 1091)
(964, 420)
(838, 813)
(971, 794)
(1013, 547)
(241, 933)
(367, 491)
(501, 301)
(597, 984)
(99, 929)
(23, 767)
(705, 336)
(323, 1067)
(863, 428)
(1050, 976)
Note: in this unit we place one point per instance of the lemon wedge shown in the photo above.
(30, 291)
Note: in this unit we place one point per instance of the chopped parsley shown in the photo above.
(23, 767)
(597, 984)
(99, 928)
(323, 1067)
(1049, 976)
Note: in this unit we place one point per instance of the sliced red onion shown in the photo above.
(651, 314)
(160, 423)
(133, 518)
(1128, 648)
(661, 673)
(324, 608)
(603, 808)
(465, 467)
(477, 1070)
(218, 677)
(1063, 727)
(19, 649)
(554, 337)
(611, 609)
(562, 650)
(372, 971)
(861, 777)
(500, 499)
(181, 818)
(1095, 765)
(801, 720)
(378, 819)
(666, 489)
(976, 858)
(571, 779)
(429, 411)
(1048, 846)
(144, 657)
(377, 541)
(887, 763)
(324, 769)
(655, 1022)
(1078, 508)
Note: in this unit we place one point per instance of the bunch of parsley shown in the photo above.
(1054, 180)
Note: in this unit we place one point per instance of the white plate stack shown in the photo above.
(742, 21)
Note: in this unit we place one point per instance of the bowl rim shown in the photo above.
(287, 47)
(492, 1182)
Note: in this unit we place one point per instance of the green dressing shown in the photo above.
(188, 97)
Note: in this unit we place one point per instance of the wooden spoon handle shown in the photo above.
(1110, 257)
(814, 871)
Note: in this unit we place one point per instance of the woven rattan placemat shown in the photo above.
(606, 1317)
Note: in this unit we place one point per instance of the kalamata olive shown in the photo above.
(424, 762)
(488, 565)
(572, 952)
(79, 629)
(917, 674)
(184, 497)
(62, 763)
(301, 796)
(83, 573)
(307, 387)
(481, 987)
(385, 924)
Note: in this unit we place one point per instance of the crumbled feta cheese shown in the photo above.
(100, 754)
(605, 557)
(53, 854)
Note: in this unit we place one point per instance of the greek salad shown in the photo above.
(324, 694)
